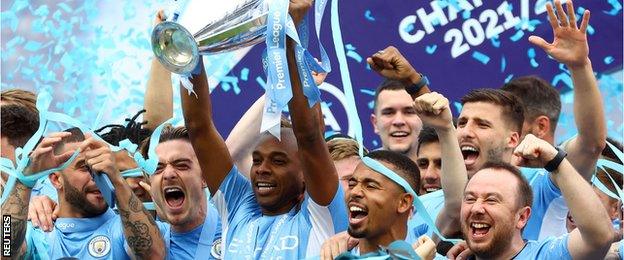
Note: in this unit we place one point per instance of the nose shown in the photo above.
(355, 192)
(262, 168)
(477, 207)
(465, 132)
(398, 119)
(169, 173)
(431, 175)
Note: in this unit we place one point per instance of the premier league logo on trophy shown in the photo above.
(179, 50)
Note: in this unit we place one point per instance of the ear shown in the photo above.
(542, 127)
(523, 217)
(204, 184)
(405, 203)
(514, 139)
(614, 209)
(56, 179)
(373, 120)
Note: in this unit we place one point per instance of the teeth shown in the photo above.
(431, 189)
(264, 184)
(355, 208)
(167, 190)
(399, 134)
(480, 225)
(469, 148)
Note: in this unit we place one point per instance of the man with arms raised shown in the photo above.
(394, 118)
(497, 206)
(292, 200)
(86, 227)
(543, 105)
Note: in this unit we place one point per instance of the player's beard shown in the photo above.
(79, 201)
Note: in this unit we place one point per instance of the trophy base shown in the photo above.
(175, 48)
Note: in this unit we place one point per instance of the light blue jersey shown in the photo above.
(549, 248)
(416, 227)
(548, 211)
(203, 242)
(294, 235)
(43, 186)
(99, 237)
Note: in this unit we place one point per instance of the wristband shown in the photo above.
(553, 164)
(414, 88)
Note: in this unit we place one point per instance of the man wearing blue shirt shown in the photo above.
(86, 227)
(497, 206)
(543, 105)
(292, 201)
(192, 229)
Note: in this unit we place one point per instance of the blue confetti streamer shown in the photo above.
(351, 53)
(375, 143)
(480, 57)
(508, 78)
(368, 15)
(466, 14)
(407, 28)
(616, 7)
(495, 41)
(32, 46)
(517, 36)
(261, 82)
(458, 106)
(371, 104)
(368, 92)
(564, 78)
(244, 74)
(590, 30)
(503, 63)
(430, 49)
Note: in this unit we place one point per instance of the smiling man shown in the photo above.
(497, 206)
(429, 160)
(86, 227)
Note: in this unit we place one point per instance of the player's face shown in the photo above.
(276, 176)
(78, 187)
(396, 122)
(345, 168)
(483, 135)
(372, 203)
(490, 216)
(125, 162)
(177, 184)
(430, 164)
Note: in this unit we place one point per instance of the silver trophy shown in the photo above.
(179, 50)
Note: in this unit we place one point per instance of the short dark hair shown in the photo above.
(75, 137)
(403, 166)
(525, 194)
(538, 96)
(133, 131)
(512, 108)
(427, 135)
(387, 84)
(168, 133)
(19, 123)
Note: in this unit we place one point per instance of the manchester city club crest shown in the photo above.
(99, 246)
(215, 251)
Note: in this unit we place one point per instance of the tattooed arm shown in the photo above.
(17, 203)
(140, 229)
(17, 206)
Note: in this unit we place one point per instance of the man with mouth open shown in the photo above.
(497, 206)
(86, 227)
(293, 200)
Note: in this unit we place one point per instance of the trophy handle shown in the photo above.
(175, 48)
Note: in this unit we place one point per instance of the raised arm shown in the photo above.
(212, 154)
(245, 133)
(390, 64)
(320, 176)
(592, 238)
(433, 109)
(17, 204)
(570, 48)
(140, 229)
(158, 102)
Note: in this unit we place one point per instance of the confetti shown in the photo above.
(517, 36)
(368, 15)
(430, 49)
(480, 57)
